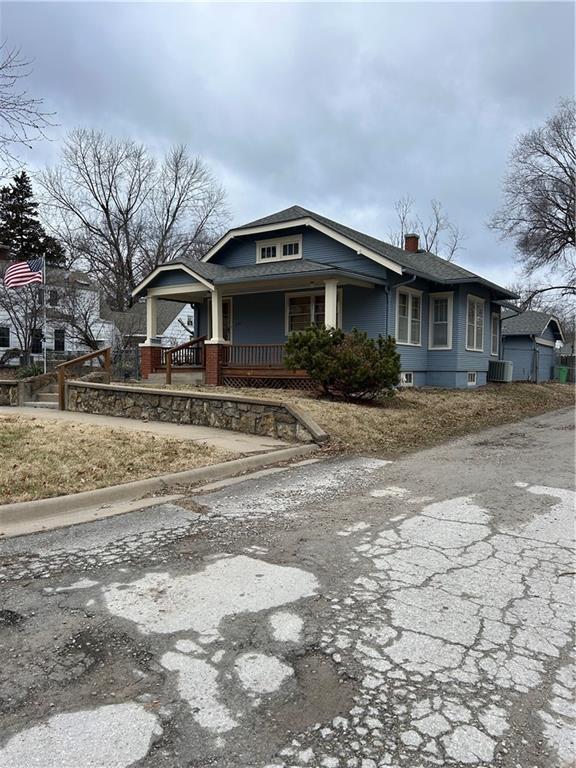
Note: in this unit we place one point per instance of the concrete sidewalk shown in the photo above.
(223, 439)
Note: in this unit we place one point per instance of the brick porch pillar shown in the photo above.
(150, 359)
(213, 364)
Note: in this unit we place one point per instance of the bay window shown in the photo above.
(441, 308)
(408, 316)
(475, 324)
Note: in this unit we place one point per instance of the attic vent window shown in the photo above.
(268, 252)
(291, 249)
(280, 249)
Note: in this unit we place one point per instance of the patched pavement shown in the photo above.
(343, 613)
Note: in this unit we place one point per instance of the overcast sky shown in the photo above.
(341, 108)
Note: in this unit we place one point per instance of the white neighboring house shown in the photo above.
(68, 294)
(74, 310)
(175, 323)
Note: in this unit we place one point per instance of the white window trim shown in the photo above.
(411, 292)
(478, 300)
(443, 295)
(279, 242)
(492, 353)
(308, 294)
(471, 383)
(544, 342)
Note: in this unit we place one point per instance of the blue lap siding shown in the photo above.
(531, 361)
(241, 252)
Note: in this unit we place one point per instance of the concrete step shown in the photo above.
(41, 404)
(178, 377)
(47, 397)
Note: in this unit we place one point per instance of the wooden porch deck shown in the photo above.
(242, 365)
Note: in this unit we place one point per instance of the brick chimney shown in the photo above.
(411, 243)
(4, 252)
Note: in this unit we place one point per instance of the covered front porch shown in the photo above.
(241, 328)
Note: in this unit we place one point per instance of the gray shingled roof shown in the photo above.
(529, 323)
(422, 263)
(220, 275)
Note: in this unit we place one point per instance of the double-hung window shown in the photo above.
(495, 334)
(475, 324)
(4, 336)
(280, 249)
(59, 340)
(440, 321)
(408, 317)
(37, 342)
(304, 310)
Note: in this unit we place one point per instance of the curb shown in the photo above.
(29, 511)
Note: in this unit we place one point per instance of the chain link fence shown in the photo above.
(126, 364)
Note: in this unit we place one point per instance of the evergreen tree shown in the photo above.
(20, 228)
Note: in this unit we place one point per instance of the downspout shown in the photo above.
(386, 323)
(517, 312)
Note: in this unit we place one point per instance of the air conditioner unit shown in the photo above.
(500, 370)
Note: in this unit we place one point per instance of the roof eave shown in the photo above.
(332, 272)
(476, 279)
(166, 268)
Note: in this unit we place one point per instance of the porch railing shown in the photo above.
(190, 355)
(254, 355)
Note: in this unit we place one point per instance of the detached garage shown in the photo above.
(529, 341)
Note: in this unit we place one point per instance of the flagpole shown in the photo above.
(45, 318)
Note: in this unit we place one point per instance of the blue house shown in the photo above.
(268, 278)
(529, 341)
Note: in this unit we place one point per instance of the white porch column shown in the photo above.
(331, 303)
(217, 324)
(151, 319)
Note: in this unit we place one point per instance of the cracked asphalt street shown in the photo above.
(341, 613)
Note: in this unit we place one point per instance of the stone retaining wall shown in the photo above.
(241, 414)
(18, 391)
(9, 392)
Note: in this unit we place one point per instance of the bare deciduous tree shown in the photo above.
(22, 117)
(437, 234)
(78, 307)
(538, 210)
(120, 212)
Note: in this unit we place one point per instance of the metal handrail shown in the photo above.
(105, 352)
(169, 353)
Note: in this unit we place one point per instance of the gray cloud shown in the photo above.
(342, 108)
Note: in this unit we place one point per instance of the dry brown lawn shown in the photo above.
(416, 418)
(41, 458)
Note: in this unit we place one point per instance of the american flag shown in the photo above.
(23, 273)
